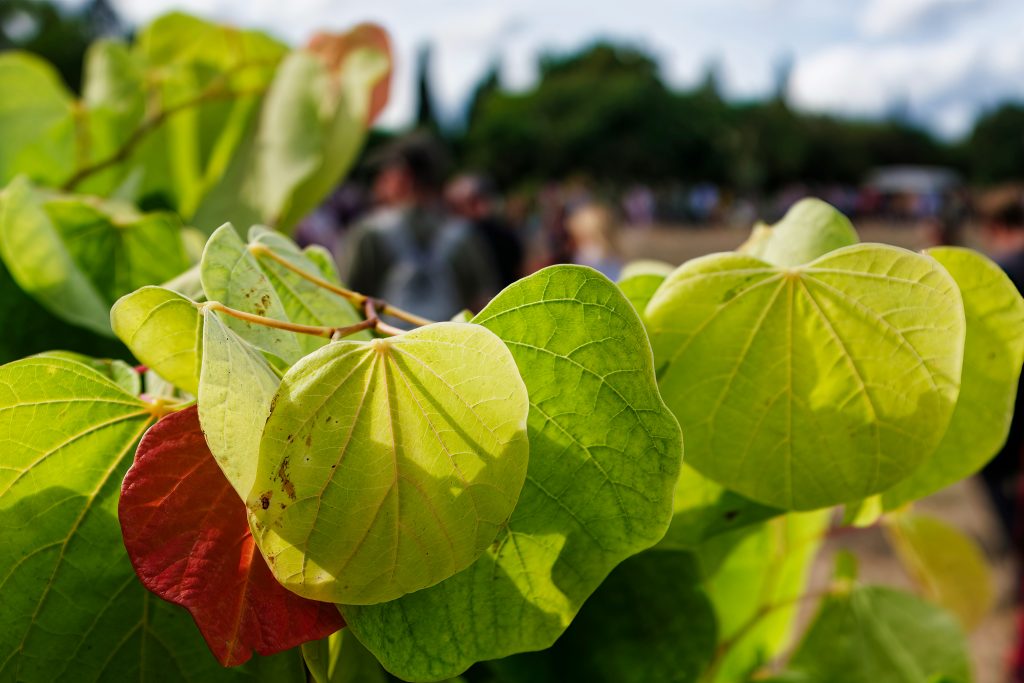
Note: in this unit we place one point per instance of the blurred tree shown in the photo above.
(426, 114)
(55, 33)
(995, 149)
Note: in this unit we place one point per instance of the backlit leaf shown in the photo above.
(604, 457)
(186, 533)
(993, 351)
(163, 329)
(232, 276)
(814, 385)
(236, 388)
(640, 279)
(386, 467)
(948, 566)
(811, 228)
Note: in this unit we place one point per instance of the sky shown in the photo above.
(940, 62)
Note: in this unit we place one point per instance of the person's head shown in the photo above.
(593, 228)
(1002, 222)
(472, 196)
(410, 171)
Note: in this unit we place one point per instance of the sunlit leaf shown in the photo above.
(756, 590)
(236, 390)
(640, 279)
(117, 371)
(163, 329)
(993, 351)
(386, 467)
(811, 228)
(809, 386)
(604, 457)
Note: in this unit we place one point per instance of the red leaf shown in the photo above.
(334, 48)
(187, 536)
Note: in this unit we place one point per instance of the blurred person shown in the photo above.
(593, 229)
(409, 250)
(475, 198)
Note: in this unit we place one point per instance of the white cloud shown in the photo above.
(882, 18)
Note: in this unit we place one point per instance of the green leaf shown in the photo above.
(993, 352)
(163, 330)
(37, 259)
(604, 457)
(304, 302)
(704, 509)
(948, 566)
(811, 228)
(36, 116)
(880, 635)
(236, 391)
(757, 587)
(232, 276)
(324, 260)
(341, 658)
(117, 371)
(640, 279)
(809, 386)
(386, 467)
(312, 127)
(77, 255)
(71, 607)
(649, 622)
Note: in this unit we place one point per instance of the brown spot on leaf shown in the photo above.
(286, 483)
(265, 499)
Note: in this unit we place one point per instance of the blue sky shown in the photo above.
(942, 61)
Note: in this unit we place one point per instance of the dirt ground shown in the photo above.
(964, 505)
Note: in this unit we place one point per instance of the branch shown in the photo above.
(314, 330)
(216, 90)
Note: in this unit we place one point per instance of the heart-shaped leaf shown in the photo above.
(993, 351)
(187, 535)
(809, 386)
(604, 456)
(386, 467)
(71, 608)
(811, 228)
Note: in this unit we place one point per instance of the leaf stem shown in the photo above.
(370, 310)
(314, 330)
(355, 298)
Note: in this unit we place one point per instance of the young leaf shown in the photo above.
(880, 635)
(811, 228)
(71, 608)
(649, 622)
(604, 457)
(304, 302)
(809, 386)
(232, 276)
(993, 351)
(186, 533)
(236, 390)
(640, 279)
(163, 329)
(386, 467)
(949, 567)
